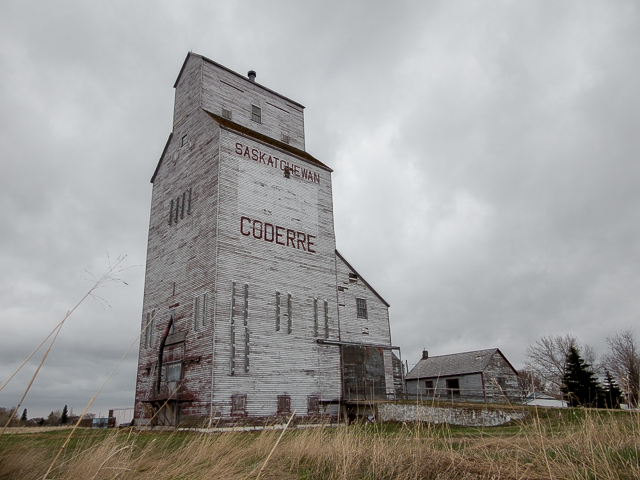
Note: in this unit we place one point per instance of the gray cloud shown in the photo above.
(485, 157)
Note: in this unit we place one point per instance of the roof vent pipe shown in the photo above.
(425, 354)
(252, 75)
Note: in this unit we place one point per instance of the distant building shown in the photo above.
(121, 416)
(249, 310)
(544, 400)
(483, 375)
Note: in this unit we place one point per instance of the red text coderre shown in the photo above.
(277, 234)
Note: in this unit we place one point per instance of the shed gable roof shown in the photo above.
(454, 364)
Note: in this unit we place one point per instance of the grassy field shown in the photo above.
(550, 444)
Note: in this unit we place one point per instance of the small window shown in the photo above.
(226, 114)
(502, 382)
(284, 404)
(239, 405)
(313, 405)
(184, 141)
(453, 386)
(285, 138)
(362, 307)
(428, 384)
(353, 277)
(256, 114)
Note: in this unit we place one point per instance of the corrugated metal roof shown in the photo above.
(454, 364)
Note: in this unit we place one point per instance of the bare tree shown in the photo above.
(530, 382)
(548, 358)
(623, 361)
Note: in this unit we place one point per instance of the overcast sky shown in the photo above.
(485, 154)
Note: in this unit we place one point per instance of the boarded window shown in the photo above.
(174, 372)
(226, 113)
(180, 205)
(232, 321)
(361, 304)
(200, 312)
(277, 311)
(313, 405)
(315, 317)
(453, 386)
(256, 114)
(326, 319)
(239, 404)
(245, 314)
(284, 404)
(289, 313)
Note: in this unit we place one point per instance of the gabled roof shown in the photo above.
(361, 278)
(205, 59)
(455, 364)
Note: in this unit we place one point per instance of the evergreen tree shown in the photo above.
(23, 418)
(613, 394)
(579, 382)
(64, 417)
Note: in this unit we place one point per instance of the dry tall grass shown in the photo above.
(573, 445)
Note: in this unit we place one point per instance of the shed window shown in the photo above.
(256, 114)
(239, 404)
(284, 404)
(453, 386)
(362, 307)
(313, 405)
(502, 382)
(428, 384)
(184, 141)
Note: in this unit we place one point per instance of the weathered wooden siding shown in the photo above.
(223, 89)
(470, 386)
(183, 254)
(260, 231)
(188, 96)
(372, 330)
(498, 367)
(287, 361)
